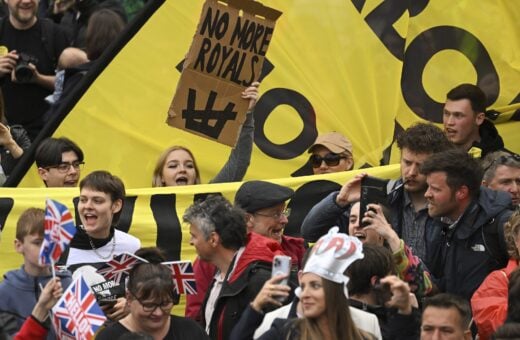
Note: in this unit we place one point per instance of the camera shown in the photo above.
(22, 71)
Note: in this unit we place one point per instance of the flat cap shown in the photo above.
(255, 195)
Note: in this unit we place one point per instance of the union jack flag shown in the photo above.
(59, 230)
(77, 315)
(183, 277)
(119, 267)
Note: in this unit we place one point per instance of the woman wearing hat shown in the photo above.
(331, 152)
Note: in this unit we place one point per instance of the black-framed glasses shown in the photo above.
(65, 166)
(150, 307)
(277, 215)
(503, 160)
(331, 159)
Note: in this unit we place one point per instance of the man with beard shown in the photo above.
(30, 50)
(472, 241)
(465, 122)
(408, 213)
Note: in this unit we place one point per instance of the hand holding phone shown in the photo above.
(373, 190)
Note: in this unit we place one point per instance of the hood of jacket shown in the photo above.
(490, 204)
(258, 249)
(490, 139)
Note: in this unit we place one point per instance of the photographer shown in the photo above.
(31, 47)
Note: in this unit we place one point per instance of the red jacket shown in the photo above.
(205, 271)
(489, 302)
(31, 329)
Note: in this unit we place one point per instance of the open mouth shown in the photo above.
(181, 180)
(360, 235)
(90, 218)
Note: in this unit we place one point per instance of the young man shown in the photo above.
(472, 243)
(502, 172)
(446, 317)
(465, 123)
(219, 234)
(21, 288)
(409, 216)
(59, 162)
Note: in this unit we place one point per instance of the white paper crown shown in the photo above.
(332, 255)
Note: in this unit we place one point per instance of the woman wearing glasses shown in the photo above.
(331, 152)
(150, 297)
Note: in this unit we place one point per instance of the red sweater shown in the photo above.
(31, 329)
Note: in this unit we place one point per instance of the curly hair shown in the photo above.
(423, 138)
(512, 233)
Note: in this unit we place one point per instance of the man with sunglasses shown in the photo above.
(502, 173)
(331, 152)
(59, 162)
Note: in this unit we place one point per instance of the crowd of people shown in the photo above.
(437, 260)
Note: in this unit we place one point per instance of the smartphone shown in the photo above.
(282, 265)
(373, 190)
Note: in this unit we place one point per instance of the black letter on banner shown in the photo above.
(382, 19)
(306, 197)
(267, 103)
(169, 233)
(218, 26)
(423, 48)
(6, 204)
(125, 215)
(198, 120)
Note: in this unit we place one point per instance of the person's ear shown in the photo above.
(249, 221)
(467, 335)
(117, 206)
(462, 193)
(43, 173)
(373, 280)
(214, 239)
(18, 246)
(479, 119)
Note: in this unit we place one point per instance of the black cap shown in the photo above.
(255, 195)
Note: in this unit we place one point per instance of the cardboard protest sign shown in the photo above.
(225, 57)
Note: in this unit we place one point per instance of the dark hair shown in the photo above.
(460, 168)
(152, 279)
(135, 336)
(473, 93)
(447, 301)
(509, 330)
(105, 182)
(49, 151)
(217, 214)
(513, 304)
(377, 261)
(103, 27)
(423, 138)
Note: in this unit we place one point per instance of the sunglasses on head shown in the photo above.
(503, 160)
(331, 159)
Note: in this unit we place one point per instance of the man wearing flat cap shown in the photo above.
(331, 152)
(264, 204)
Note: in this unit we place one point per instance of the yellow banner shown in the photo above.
(365, 68)
(155, 215)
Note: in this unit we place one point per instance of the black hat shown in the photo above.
(255, 195)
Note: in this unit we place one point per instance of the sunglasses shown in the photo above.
(331, 159)
(503, 160)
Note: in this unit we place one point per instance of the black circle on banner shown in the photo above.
(424, 47)
(267, 103)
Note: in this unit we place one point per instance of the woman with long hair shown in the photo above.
(324, 311)
(150, 297)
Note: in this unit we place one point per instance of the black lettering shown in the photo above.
(247, 39)
(254, 60)
(226, 52)
(258, 33)
(234, 67)
(213, 58)
(215, 26)
(198, 120)
(169, 231)
(424, 47)
(200, 61)
(267, 103)
(239, 31)
(265, 41)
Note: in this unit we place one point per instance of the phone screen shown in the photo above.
(373, 190)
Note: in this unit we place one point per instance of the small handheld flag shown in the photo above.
(183, 276)
(59, 230)
(119, 267)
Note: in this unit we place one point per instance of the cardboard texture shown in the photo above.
(225, 57)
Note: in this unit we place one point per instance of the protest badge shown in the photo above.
(226, 56)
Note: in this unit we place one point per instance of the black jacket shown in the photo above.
(466, 254)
